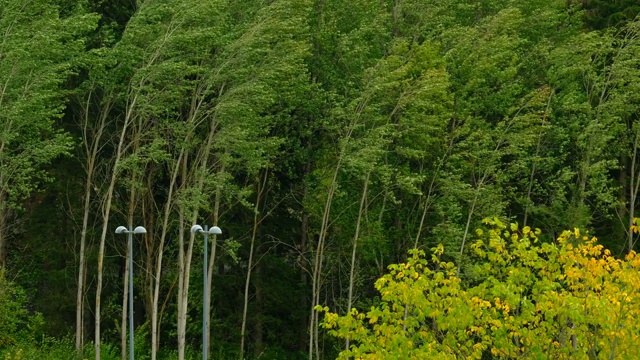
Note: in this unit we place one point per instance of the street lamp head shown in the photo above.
(121, 230)
(215, 230)
(140, 230)
(196, 229)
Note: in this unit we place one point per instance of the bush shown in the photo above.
(520, 299)
(16, 322)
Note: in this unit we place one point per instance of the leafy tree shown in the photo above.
(38, 52)
(521, 298)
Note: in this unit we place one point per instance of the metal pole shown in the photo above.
(130, 233)
(205, 312)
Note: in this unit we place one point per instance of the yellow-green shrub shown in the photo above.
(520, 298)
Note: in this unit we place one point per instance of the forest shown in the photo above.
(393, 179)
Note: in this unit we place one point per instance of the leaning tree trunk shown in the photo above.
(181, 275)
(316, 275)
(304, 244)
(3, 215)
(155, 324)
(634, 187)
(106, 211)
(105, 226)
(254, 233)
(185, 259)
(92, 147)
(317, 266)
(363, 200)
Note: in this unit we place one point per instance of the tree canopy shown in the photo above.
(326, 139)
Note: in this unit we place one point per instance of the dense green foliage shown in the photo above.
(325, 137)
(17, 323)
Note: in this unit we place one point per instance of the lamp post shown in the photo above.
(205, 303)
(124, 230)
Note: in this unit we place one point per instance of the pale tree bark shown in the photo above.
(183, 292)
(105, 224)
(361, 210)
(428, 198)
(633, 190)
(196, 108)
(254, 232)
(4, 210)
(148, 212)
(258, 327)
(3, 215)
(183, 289)
(204, 172)
(304, 244)
(468, 224)
(185, 259)
(125, 290)
(317, 264)
(155, 323)
(91, 139)
(106, 211)
(316, 275)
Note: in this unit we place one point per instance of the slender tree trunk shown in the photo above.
(82, 268)
(317, 266)
(4, 210)
(256, 220)
(185, 263)
(427, 205)
(355, 246)
(304, 244)
(633, 190)
(186, 273)
(103, 237)
(155, 323)
(105, 226)
(466, 228)
(3, 216)
(91, 146)
(316, 277)
(82, 261)
(214, 239)
(148, 215)
(185, 259)
(258, 342)
(182, 287)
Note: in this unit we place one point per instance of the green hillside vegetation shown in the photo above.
(328, 139)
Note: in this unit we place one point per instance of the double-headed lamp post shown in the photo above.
(124, 230)
(205, 303)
